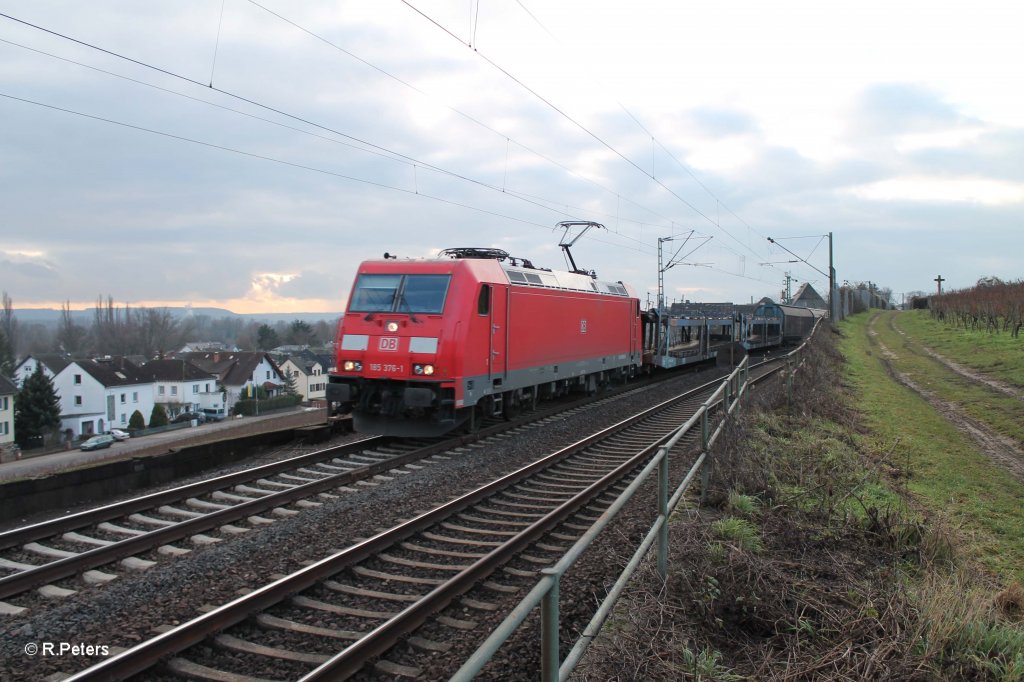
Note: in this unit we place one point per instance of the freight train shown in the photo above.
(429, 346)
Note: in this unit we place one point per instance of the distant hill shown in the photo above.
(49, 316)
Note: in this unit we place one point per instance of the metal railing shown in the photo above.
(546, 592)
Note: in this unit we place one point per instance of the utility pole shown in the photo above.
(661, 276)
(940, 280)
(832, 302)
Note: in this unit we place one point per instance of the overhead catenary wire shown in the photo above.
(468, 117)
(264, 157)
(559, 207)
(582, 127)
(366, 145)
(562, 113)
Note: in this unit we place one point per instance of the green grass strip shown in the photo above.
(999, 411)
(948, 475)
(999, 356)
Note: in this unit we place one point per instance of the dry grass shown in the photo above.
(807, 564)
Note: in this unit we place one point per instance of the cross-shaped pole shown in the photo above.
(940, 280)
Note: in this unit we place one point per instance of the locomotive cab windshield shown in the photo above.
(397, 293)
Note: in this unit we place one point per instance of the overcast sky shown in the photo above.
(336, 131)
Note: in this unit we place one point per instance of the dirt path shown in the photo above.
(965, 372)
(1002, 450)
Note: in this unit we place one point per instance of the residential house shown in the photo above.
(97, 395)
(181, 387)
(239, 372)
(52, 364)
(309, 372)
(7, 393)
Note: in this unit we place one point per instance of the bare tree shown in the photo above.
(9, 323)
(159, 332)
(72, 338)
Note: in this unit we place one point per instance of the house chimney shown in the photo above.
(216, 357)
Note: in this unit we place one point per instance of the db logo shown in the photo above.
(389, 343)
(583, 326)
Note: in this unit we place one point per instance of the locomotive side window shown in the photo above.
(483, 303)
(375, 293)
(400, 293)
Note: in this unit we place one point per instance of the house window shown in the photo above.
(78, 400)
(195, 388)
(124, 418)
(174, 390)
(207, 388)
(124, 398)
(78, 379)
(159, 390)
(268, 373)
(4, 428)
(135, 396)
(3, 403)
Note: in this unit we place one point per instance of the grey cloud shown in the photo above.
(893, 108)
(312, 284)
(722, 122)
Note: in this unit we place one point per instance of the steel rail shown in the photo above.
(51, 527)
(545, 592)
(146, 654)
(377, 641)
(69, 566)
(23, 581)
(24, 534)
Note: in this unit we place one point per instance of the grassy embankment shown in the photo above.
(841, 540)
(944, 469)
(909, 335)
(997, 355)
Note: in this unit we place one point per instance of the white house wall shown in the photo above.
(187, 396)
(6, 419)
(84, 405)
(27, 368)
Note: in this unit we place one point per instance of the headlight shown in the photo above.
(351, 366)
(425, 370)
(392, 327)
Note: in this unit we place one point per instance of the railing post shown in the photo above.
(705, 478)
(704, 431)
(705, 471)
(663, 514)
(789, 381)
(739, 390)
(549, 629)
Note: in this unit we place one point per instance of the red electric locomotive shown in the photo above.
(427, 346)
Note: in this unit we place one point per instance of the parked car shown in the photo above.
(97, 442)
(120, 434)
(213, 415)
(189, 416)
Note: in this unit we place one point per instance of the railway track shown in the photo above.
(57, 557)
(78, 544)
(402, 596)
